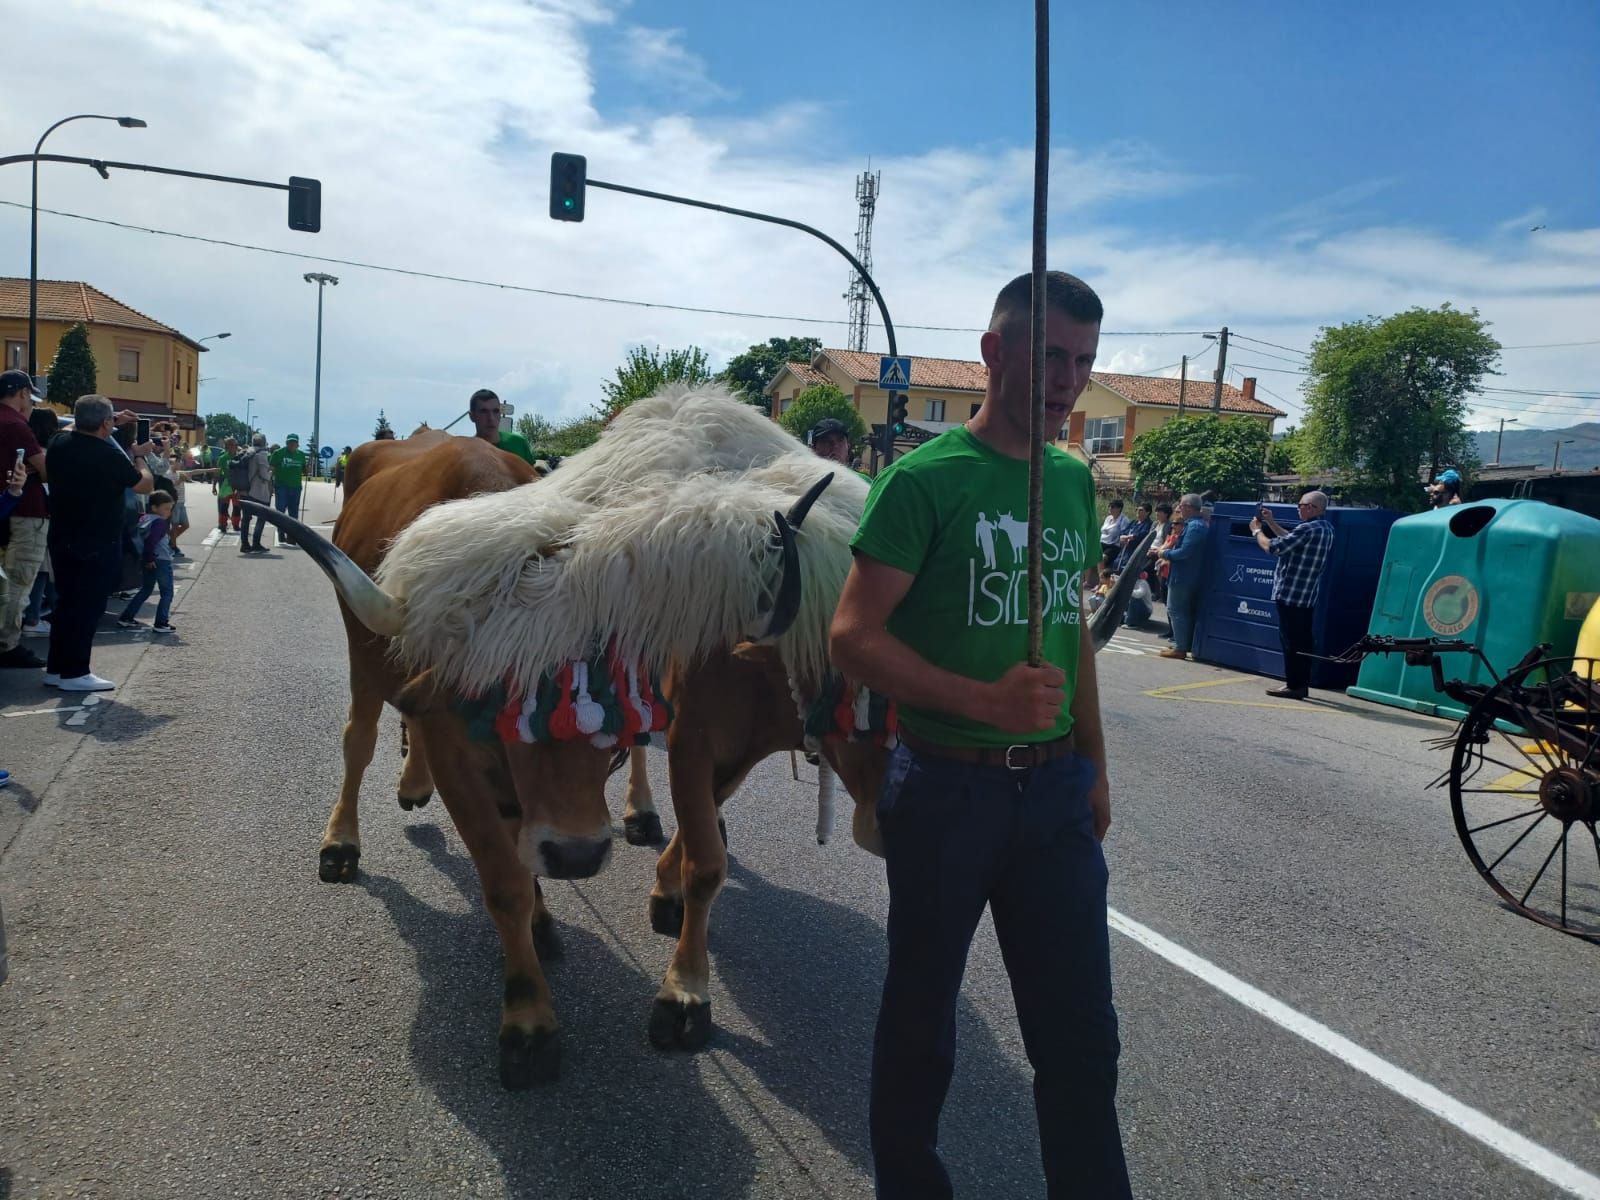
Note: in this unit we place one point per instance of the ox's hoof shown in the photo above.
(685, 1025)
(337, 863)
(529, 1058)
(643, 829)
(547, 942)
(408, 803)
(666, 915)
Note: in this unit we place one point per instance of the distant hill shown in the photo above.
(1536, 447)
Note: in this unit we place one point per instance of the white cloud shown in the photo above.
(430, 127)
(660, 56)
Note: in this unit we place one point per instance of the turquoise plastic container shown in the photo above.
(1504, 574)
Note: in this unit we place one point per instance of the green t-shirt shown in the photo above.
(954, 513)
(515, 443)
(288, 467)
(216, 457)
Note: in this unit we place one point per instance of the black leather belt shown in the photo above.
(1022, 757)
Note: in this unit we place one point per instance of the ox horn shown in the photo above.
(375, 608)
(802, 507)
(1108, 617)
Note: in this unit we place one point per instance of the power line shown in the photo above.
(538, 291)
(1264, 342)
(1529, 346)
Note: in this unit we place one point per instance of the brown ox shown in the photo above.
(548, 797)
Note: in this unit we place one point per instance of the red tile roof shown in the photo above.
(808, 375)
(947, 374)
(1163, 392)
(67, 300)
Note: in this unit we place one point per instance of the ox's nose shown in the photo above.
(574, 858)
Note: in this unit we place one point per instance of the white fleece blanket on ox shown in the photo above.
(660, 536)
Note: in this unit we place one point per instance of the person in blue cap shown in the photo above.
(1446, 489)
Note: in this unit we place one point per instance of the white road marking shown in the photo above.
(1567, 1176)
(82, 715)
(43, 712)
(1128, 647)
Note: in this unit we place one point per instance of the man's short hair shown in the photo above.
(91, 412)
(481, 395)
(1192, 499)
(258, 439)
(1115, 503)
(1164, 507)
(1067, 292)
(158, 498)
(1320, 499)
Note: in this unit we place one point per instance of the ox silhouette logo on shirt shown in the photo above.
(997, 584)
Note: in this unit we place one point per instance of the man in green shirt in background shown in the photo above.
(217, 460)
(997, 795)
(288, 477)
(484, 409)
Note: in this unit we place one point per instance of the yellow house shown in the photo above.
(140, 363)
(1111, 413)
(1115, 409)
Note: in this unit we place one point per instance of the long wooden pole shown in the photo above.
(1041, 195)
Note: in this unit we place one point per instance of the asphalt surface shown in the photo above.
(191, 1012)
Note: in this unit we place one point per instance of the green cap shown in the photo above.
(293, 437)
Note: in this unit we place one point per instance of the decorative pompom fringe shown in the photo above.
(844, 710)
(601, 699)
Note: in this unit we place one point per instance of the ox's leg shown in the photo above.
(416, 779)
(546, 938)
(681, 1015)
(530, 1048)
(666, 897)
(341, 840)
(640, 824)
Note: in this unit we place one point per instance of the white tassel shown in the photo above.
(826, 781)
(590, 715)
(524, 722)
(637, 701)
(863, 711)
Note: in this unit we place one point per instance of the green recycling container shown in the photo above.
(1507, 575)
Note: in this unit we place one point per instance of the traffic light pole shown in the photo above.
(883, 309)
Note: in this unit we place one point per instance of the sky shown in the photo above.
(1273, 168)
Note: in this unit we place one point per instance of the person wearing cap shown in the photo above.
(27, 529)
(1446, 489)
(484, 409)
(288, 478)
(829, 438)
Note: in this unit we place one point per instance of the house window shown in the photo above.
(785, 405)
(16, 355)
(191, 379)
(128, 366)
(974, 411)
(1103, 435)
(935, 411)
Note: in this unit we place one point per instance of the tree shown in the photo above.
(1286, 454)
(382, 428)
(749, 373)
(222, 426)
(1386, 398)
(548, 438)
(1207, 453)
(73, 372)
(823, 400)
(647, 371)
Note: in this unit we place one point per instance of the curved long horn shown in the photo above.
(787, 606)
(1109, 615)
(375, 608)
(802, 507)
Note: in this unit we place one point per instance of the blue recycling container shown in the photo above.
(1238, 622)
(1506, 575)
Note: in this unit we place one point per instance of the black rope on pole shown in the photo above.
(1041, 193)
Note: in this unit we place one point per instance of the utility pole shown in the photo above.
(1501, 437)
(1556, 466)
(1183, 383)
(321, 279)
(860, 299)
(1222, 367)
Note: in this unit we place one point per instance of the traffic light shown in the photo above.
(305, 204)
(897, 412)
(569, 173)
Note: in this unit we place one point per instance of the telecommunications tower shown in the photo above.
(859, 297)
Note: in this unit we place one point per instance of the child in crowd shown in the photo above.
(155, 552)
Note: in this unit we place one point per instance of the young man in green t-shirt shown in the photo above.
(288, 478)
(484, 409)
(997, 795)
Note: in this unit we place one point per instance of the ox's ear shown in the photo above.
(421, 696)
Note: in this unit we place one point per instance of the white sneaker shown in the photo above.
(51, 680)
(86, 683)
(41, 629)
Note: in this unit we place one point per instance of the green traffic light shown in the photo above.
(567, 204)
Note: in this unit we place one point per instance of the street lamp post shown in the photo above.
(321, 279)
(1501, 437)
(248, 428)
(213, 336)
(33, 229)
(1563, 442)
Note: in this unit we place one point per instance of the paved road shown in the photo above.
(192, 1013)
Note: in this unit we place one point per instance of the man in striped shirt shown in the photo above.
(1302, 552)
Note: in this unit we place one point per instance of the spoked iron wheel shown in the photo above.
(1527, 805)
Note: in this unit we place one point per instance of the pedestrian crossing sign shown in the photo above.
(894, 374)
